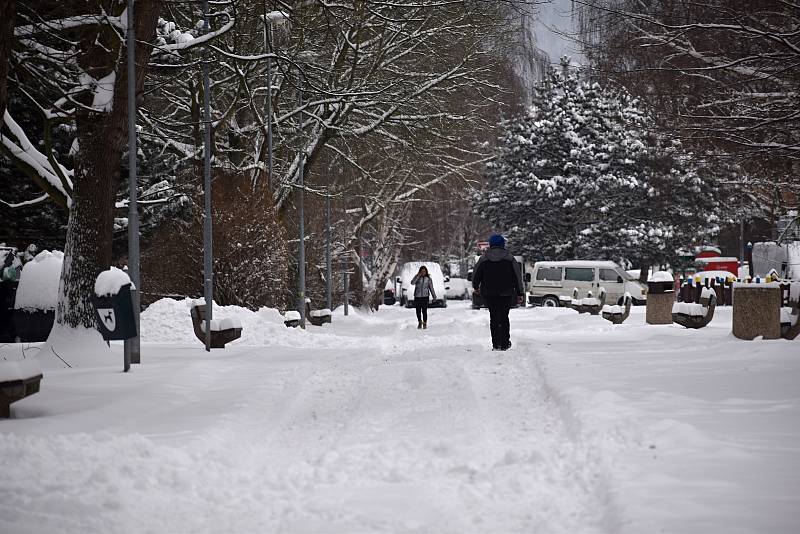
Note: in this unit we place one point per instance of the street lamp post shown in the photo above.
(328, 270)
(208, 267)
(301, 251)
(132, 352)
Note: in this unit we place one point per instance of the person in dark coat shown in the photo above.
(497, 278)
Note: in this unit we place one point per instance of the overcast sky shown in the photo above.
(554, 17)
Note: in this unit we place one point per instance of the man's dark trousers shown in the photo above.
(498, 320)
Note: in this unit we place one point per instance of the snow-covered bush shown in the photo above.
(581, 175)
(38, 283)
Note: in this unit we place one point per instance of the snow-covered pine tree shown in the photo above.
(580, 175)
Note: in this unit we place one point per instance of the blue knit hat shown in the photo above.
(497, 241)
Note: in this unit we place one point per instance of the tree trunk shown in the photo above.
(102, 137)
(7, 13)
(644, 271)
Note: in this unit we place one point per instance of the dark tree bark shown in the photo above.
(7, 13)
(102, 138)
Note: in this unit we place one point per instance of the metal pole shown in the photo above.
(346, 291)
(208, 273)
(268, 46)
(132, 352)
(741, 248)
(328, 270)
(301, 252)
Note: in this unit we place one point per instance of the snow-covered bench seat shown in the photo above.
(790, 321)
(319, 317)
(590, 304)
(696, 315)
(18, 379)
(616, 313)
(291, 318)
(223, 331)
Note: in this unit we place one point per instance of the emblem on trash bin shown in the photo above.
(108, 317)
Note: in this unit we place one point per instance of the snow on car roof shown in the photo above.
(603, 264)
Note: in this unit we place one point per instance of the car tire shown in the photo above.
(550, 302)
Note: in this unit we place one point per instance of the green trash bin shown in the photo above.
(114, 315)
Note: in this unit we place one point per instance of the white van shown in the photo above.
(409, 270)
(525, 275)
(554, 279)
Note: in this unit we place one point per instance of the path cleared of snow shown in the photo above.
(369, 425)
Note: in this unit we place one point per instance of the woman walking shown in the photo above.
(423, 291)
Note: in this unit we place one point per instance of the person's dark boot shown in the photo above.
(419, 325)
(424, 325)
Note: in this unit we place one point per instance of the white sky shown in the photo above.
(555, 17)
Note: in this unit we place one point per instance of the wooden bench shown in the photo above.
(618, 314)
(22, 381)
(691, 315)
(791, 329)
(219, 338)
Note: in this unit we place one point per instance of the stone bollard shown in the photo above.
(756, 311)
(660, 298)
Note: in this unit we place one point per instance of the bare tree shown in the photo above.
(723, 73)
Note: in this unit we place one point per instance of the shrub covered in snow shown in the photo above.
(580, 175)
(38, 283)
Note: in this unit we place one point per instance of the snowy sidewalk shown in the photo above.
(397, 431)
(369, 425)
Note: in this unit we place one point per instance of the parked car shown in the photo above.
(406, 290)
(554, 279)
(389, 298)
(458, 289)
(477, 300)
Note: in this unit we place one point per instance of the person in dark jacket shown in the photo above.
(423, 292)
(497, 278)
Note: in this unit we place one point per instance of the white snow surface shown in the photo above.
(19, 369)
(661, 276)
(38, 282)
(109, 282)
(292, 315)
(458, 288)
(370, 425)
(320, 313)
(692, 309)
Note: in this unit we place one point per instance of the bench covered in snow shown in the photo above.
(696, 315)
(790, 321)
(223, 331)
(590, 304)
(291, 318)
(319, 317)
(18, 379)
(616, 313)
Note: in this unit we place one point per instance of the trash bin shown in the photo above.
(114, 314)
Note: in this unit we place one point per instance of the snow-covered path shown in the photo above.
(368, 425)
(396, 431)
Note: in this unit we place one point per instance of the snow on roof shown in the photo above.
(38, 283)
(603, 264)
(716, 259)
(110, 282)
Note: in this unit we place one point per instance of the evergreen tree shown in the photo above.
(579, 175)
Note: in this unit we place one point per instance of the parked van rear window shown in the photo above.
(579, 274)
(549, 273)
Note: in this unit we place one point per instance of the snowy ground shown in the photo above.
(369, 425)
